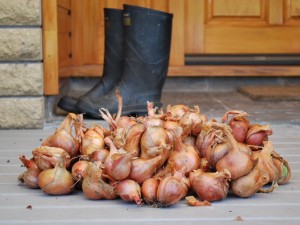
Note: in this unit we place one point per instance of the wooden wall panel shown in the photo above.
(50, 47)
(194, 26)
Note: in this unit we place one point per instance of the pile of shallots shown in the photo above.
(157, 159)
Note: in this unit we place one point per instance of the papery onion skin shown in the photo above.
(94, 187)
(47, 157)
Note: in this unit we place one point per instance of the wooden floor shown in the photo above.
(20, 205)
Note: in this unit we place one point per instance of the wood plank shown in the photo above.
(276, 12)
(194, 26)
(77, 32)
(177, 44)
(199, 71)
(247, 71)
(50, 47)
(230, 39)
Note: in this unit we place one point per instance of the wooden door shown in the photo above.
(73, 42)
(244, 26)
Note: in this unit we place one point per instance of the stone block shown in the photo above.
(21, 79)
(20, 12)
(22, 44)
(21, 112)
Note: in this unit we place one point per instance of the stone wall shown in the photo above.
(21, 68)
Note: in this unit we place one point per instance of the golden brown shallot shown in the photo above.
(191, 122)
(30, 176)
(257, 134)
(171, 189)
(47, 157)
(239, 163)
(118, 162)
(79, 170)
(142, 169)
(149, 190)
(210, 186)
(93, 185)
(249, 184)
(175, 112)
(133, 139)
(238, 123)
(183, 157)
(57, 180)
(129, 191)
(92, 140)
(63, 136)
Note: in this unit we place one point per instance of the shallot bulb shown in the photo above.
(249, 184)
(210, 186)
(171, 189)
(118, 162)
(238, 123)
(79, 170)
(257, 134)
(56, 181)
(99, 155)
(149, 190)
(191, 122)
(175, 112)
(183, 157)
(129, 190)
(216, 152)
(155, 142)
(30, 176)
(92, 140)
(142, 169)
(239, 163)
(169, 127)
(205, 138)
(133, 139)
(47, 157)
(94, 187)
(63, 137)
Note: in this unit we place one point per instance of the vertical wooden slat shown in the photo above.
(194, 26)
(162, 5)
(142, 3)
(276, 16)
(118, 4)
(50, 47)
(77, 32)
(177, 46)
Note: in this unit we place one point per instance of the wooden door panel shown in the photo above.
(235, 7)
(256, 26)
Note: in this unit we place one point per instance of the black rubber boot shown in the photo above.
(113, 61)
(146, 59)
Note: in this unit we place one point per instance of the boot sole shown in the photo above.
(66, 106)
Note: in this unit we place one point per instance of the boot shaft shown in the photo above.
(147, 50)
